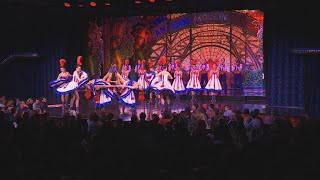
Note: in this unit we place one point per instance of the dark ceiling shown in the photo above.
(128, 7)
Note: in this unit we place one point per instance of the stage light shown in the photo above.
(107, 3)
(168, 0)
(152, 1)
(93, 4)
(80, 5)
(137, 1)
(66, 4)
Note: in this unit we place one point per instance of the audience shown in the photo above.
(192, 144)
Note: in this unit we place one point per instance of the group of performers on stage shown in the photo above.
(157, 80)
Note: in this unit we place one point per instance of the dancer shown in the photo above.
(80, 78)
(142, 73)
(193, 83)
(164, 87)
(137, 67)
(237, 78)
(121, 91)
(204, 68)
(177, 84)
(213, 86)
(126, 68)
(125, 93)
(102, 89)
(149, 77)
(142, 80)
(223, 76)
(171, 69)
(63, 78)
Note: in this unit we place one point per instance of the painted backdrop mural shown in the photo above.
(229, 38)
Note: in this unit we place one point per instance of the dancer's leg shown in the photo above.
(77, 101)
(73, 98)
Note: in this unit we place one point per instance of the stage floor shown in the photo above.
(86, 107)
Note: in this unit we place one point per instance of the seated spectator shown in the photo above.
(23, 107)
(246, 117)
(227, 111)
(29, 103)
(43, 105)
(3, 100)
(255, 128)
(166, 117)
(36, 106)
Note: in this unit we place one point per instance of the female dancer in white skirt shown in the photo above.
(80, 78)
(213, 86)
(125, 94)
(122, 91)
(63, 78)
(102, 89)
(142, 80)
(125, 70)
(149, 77)
(177, 84)
(142, 73)
(164, 87)
(194, 83)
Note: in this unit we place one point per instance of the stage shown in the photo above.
(177, 105)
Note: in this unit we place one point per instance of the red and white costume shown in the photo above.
(194, 83)
(177, 84)
(142, 76)
(63, 78)
(125, 70)
(78, 81)
(214, 82)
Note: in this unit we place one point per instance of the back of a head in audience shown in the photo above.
(134, 118)
(142, 116)
(166, 114)
(195, 107)
(246, 111)
(93, 116)
(155, 118)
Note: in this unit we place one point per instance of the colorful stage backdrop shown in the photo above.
(228, 36)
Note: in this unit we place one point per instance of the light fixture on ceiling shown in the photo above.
(93, 4)
(107, 3)
(67, 4)
(137, 1)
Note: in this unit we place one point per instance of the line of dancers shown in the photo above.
(116, 86)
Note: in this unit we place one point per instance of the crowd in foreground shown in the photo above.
(196, 143)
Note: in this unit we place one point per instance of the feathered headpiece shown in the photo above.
(162, 62)
(143, 62)
(62, 63)
(79, 61)
(178, 62)
(126, 62)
